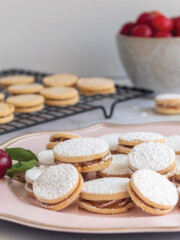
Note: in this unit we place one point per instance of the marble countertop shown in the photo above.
(135, 111)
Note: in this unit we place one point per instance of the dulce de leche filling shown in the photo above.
(171, 106)
(60, 139)
(126, 146)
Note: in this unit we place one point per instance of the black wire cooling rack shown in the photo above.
(86, 103)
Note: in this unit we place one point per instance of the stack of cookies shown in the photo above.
(25, 88)
(15, 80)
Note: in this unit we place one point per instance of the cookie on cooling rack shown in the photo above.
(15, 79)
(152, 192)
(106, 195)
(46, 157)
(58, 186)
(112, 140)
(60, 137)
(25, 88)
(86, 154)
(128, 140)
(6, 112)
(60, 80)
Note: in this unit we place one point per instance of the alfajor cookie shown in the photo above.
(117, 168)
(15, 79)
(174, 142)
(6, 113)
(155, 156)
(176, 178)
(26, 103)
(152, 192)
(86, 154)
(60, 137)
(60, 96)
(1, 97)
(128, 140)
(46, 157)
(112, 140)
(96, 85)
(30, 176)
(25, 88)
(58, 186)
(168, 103)
(106, 195)
(60, 80)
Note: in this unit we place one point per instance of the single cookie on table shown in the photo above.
(106, 195)
(60, 96)
(152, 192)
(16, 79)
(92, 86)
(86, 154)
(155, 156)
(1, 97)
(117, 168)
(58, 186)
(112, 140)
(176, 178)
(30, 176)
(25, 88)
(6, 113)
(174, 142)
(46, 157)
(128, 140)
(26, 103)
(60, 80)
(168, 103)
(60, 137)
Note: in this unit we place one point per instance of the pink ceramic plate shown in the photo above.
(17, 207)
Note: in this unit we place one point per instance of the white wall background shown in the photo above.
(76, 36)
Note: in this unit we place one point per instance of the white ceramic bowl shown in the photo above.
(152, 63)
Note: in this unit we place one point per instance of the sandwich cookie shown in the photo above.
(117, 168)
(60, 96)
(156, 156)
(25, 88)
(86, 154)
(6, 113)
(106, 195)
(59, 137)
(176, 178)
(112, 140)
(30, 176)
(1, 97)
(16, 79)
(152, 192)
(92, 86)
(168, 103)
(58, 186)
(26, 103)
(46, 157)
(174, 142)
(128, 140)
(60, 80)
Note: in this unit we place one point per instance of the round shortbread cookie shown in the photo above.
(135, 138)
(62, 103)
(95, 84)
(59, 93)
(65, 135)
(26, 100)
(46, 157)
(6, 113)
(154, 189)
(81, 150)
(167, 111)
(152, 155)
(28, 189)
(56, 183)
(168, 98)
(110, 188)
(60, 80)
(90, 93)
(168, 103)
(117, 168)
(174, 142)
(25, 88)
(6, 119)
(1, 96)
(124, 149)
(16, 79)
(112, 140)
(32, 174)
(29, 109)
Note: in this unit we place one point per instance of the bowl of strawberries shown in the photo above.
(149, 49)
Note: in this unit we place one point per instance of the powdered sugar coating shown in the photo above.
(46, 157)
(112, 140)
(55, 182)
(33, 173)
(141, 136)
(174, 142)
(118, 166)
(155, 187)
(177, 164)
(81, 147)
(168, 96)
(110, 185)
(152, 155)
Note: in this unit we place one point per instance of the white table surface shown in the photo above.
(131, 112)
